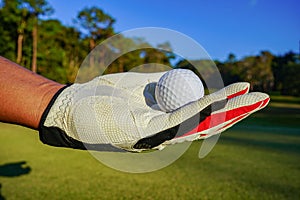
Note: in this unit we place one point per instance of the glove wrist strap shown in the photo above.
(47, 110)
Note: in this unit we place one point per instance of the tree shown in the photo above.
(124, 61)
(205, 69)
(231, 58)
(60, 53)
(21, 29)
(279, 66)
(98, 26)
(291, 79)
(74, 52)
(96, 23)
(51, 53)
(265, 71)
(36, 8)
(9, 19)
(257, 70)
(286, 74)
(229, 70)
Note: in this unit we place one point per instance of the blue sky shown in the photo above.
(242, 27)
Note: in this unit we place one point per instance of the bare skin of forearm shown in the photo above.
(24, 95)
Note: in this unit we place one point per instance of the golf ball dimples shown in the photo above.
(177, 88)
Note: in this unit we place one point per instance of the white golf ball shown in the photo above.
(177, 88)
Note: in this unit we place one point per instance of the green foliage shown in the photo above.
(8, 32)
(257, 71)
(265, 72)
(59, 57)
(8, 47)
(62, 50)
(96, 23)
(291, 80)
(286, 73)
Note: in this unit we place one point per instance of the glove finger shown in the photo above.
(235, 110)
(210, 141)
(235, 120)
(237, 89)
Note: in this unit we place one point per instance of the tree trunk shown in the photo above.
(34, 48)
(91, 57)
(92, 44)
(20, 47)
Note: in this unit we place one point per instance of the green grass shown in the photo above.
(257, 159)
(285, 99)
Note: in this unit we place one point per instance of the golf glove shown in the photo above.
(119, 112)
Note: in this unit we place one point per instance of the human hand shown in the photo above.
(118, 110)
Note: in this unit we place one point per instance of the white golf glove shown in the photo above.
(118, 112)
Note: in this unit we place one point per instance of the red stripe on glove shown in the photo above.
(238, 93)
(219, 118)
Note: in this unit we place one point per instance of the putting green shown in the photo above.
(256, 159)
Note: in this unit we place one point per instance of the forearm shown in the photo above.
(24, 95)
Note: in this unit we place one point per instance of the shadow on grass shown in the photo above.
(1, 197)
(13, 170)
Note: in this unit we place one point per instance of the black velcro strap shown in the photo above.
(47, 110)
(56, 137)
(52, 135)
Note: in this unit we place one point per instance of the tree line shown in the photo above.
(46, 46)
